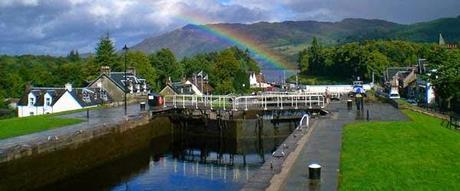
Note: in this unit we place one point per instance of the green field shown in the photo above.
(21, 126)
(413, 155)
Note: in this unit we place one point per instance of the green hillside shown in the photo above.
(290, 36)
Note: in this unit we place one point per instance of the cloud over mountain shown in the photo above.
(57, 26)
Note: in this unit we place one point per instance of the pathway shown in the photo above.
(98, 118)
(324, 144)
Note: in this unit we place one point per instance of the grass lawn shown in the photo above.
(412, 155)
(26, 125)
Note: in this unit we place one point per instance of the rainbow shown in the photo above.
(273, 59)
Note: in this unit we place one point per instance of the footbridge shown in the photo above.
(272, 101)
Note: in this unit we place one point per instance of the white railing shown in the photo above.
(255, 102)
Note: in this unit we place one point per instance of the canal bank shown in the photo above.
(58, 158)
(35, 160)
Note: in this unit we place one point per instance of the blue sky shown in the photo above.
(56, 26)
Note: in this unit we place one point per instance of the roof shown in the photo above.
(118, 78)
(181, 88)
(207, 88)
(56, 93)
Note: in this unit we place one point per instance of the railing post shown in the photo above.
(183, 101)
(175, 101)
(296, 100)
(246, 107)
(211, 102)
(265, 98)
(281, 98)
(224, 98)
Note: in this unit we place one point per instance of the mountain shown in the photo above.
(288, 37)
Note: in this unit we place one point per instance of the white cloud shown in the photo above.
(39, 26)
(5, 3)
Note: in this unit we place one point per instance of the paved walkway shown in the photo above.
(104, 117)
(324, 144)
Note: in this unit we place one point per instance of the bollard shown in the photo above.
(142, 105)
(314, 171)
(349, 104)
(87, 113)
(367, 115)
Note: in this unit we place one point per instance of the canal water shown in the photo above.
(197, 155)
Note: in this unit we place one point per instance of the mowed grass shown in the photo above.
(26, 125)
(413, 155)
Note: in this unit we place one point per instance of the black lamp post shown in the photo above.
(126, 86)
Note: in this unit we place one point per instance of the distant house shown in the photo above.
(179, 88)
(45, 100)
(115, 85)
(197, 85)
(257, 81)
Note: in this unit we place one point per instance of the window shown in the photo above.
(31, 113)
(48, 101)
(86, 97)
(31, 101)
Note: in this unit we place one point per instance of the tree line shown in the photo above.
(348, 61)
(227, 69)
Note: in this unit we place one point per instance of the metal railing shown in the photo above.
(255, 102)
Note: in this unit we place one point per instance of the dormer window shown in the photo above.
(48, 101)
(86, 97)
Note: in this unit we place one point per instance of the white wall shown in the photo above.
(252, 79)
(333, 88)
(195, 89)
(66, 103)
(24, 111)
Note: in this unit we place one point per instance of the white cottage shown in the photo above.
(40, 100)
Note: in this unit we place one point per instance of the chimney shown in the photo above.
(68, 87)
(105, 70)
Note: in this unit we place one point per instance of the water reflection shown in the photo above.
(221, 155)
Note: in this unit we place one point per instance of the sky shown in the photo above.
(54, 27)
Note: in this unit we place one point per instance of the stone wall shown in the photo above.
(40, 164)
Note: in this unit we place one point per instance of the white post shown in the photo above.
(164, 102)
(246, 105)
(224, 98)
(265, 102)
(175, 101)
(183, 101)
(211, 102)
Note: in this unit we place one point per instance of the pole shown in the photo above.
(126, 87)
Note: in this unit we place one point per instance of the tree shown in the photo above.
(74, 56)
(144, 69)
(446, 79)
(166, 66)
(316, 58)
(105, 53)
(303, 61)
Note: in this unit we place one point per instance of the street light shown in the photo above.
(125, 49)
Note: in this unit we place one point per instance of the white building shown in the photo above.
(39, 100)
(257, 81)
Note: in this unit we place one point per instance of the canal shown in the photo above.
(193, 155)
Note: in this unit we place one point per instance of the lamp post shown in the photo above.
(126, 87)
